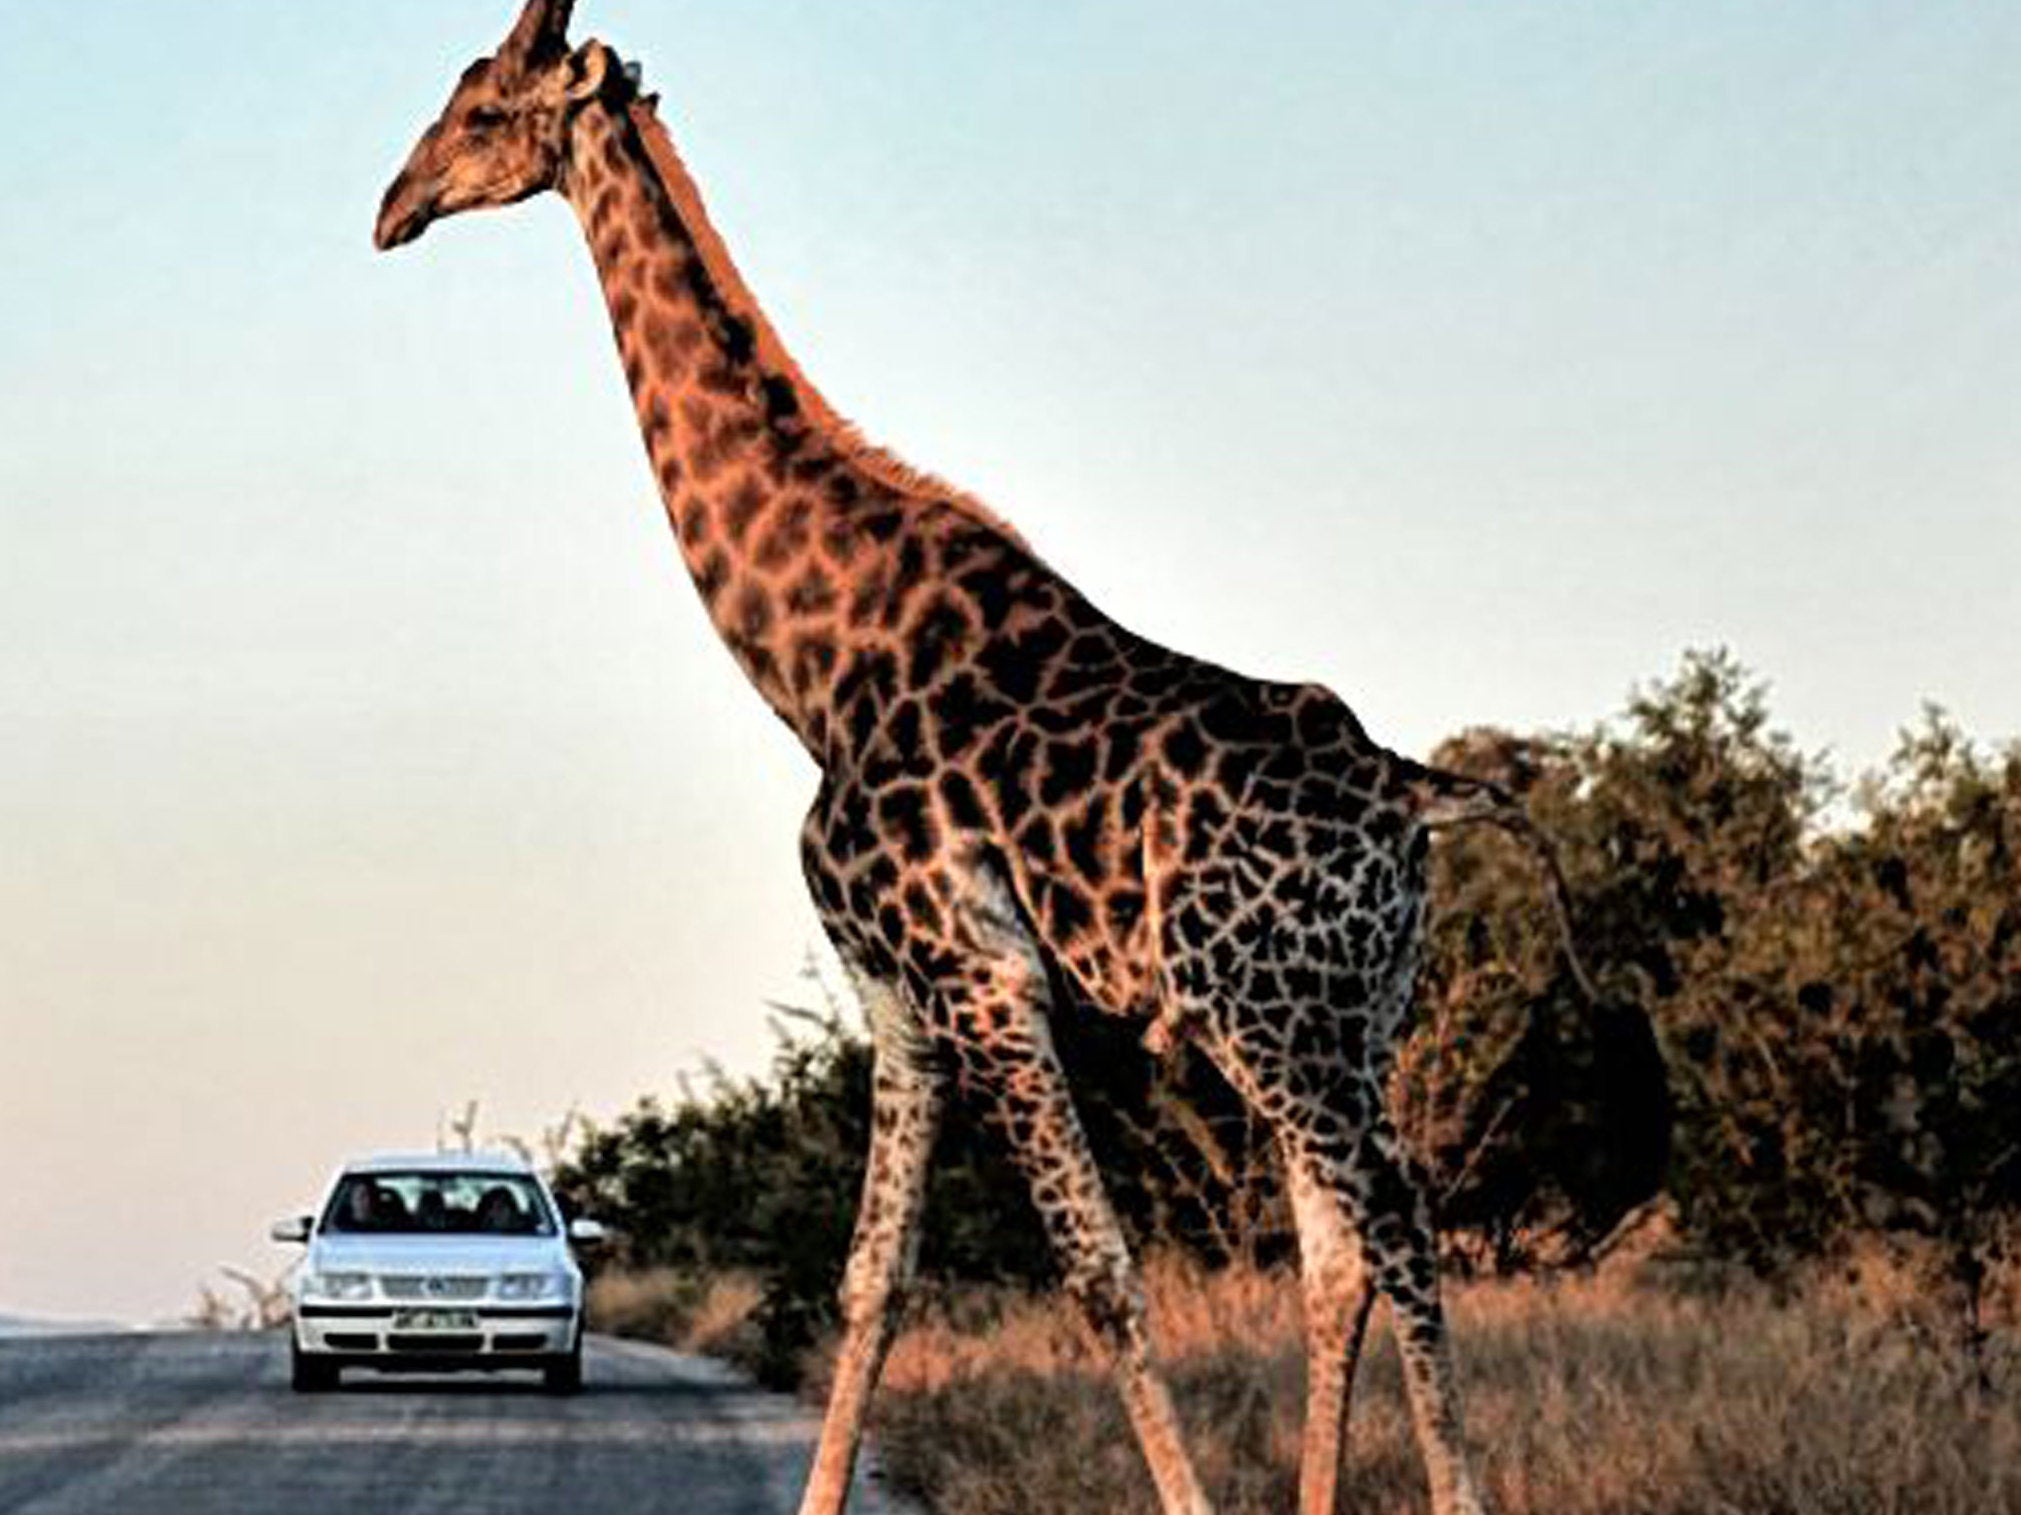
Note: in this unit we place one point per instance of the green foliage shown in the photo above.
(1838, 1000)
(745, 1174)
(1906, 959)
(1548, 1118)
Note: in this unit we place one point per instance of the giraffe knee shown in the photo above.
(1110, 1299)
(1393, 1194)
(874, 1283)
(1334, 1281)
(865, 1300)
(1403, 1261)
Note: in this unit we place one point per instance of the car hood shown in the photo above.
(438, 1254)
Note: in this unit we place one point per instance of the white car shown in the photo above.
(442, 1262)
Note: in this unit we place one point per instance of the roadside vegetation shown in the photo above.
(1621, 1394)
(1739, 1238)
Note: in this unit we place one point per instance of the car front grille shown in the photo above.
(433, 1286)
(435, 1341)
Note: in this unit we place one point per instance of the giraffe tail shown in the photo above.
(1442, 798)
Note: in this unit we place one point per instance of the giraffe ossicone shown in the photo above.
(1025, 810)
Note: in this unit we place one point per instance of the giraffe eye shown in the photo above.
(484, 118)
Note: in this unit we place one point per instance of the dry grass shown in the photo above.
(1591, 1397)
(712, 1315)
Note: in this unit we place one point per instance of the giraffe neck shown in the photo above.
(776, 512)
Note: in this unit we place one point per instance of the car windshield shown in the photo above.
(473, 1203)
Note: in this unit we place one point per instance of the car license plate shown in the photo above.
(434, 1320)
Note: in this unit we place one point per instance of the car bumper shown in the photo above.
(494, 1337)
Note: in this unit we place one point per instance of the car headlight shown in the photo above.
(531, 1285)
(337, 1286)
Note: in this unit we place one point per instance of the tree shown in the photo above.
(1919, 998)
(1548, 1119)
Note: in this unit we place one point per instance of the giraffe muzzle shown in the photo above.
(403, 215)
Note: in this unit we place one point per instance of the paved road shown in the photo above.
(195, 1424)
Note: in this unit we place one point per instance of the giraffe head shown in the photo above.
(504, 134)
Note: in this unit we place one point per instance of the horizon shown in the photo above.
(368, 753)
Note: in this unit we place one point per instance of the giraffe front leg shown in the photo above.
(906, 1103)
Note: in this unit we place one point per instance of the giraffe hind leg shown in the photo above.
(1372, 1187)
(1000, 1026)
(1364, 1229)
(1339, 1292)
(906, 1103)
(1031, 1109)
(1387, 1206)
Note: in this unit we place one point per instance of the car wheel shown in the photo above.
(308, 1373)
(564, 1374)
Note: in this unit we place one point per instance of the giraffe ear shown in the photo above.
(541, 26)
(589, 67)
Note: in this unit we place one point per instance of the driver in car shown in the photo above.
(499, 1212)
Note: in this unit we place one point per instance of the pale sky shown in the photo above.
(362, 750)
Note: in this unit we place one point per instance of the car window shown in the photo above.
(457, 1203)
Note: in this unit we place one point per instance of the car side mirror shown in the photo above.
(294, 1229)
(588, 1233)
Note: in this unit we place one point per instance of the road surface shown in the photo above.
(200, 1424)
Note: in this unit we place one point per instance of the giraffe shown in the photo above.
(1025, 810)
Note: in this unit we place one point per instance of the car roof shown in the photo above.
(440, 1162)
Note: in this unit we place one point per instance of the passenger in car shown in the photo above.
(370, 1206)
(498, 1211)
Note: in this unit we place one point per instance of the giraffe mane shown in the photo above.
(884, 467)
